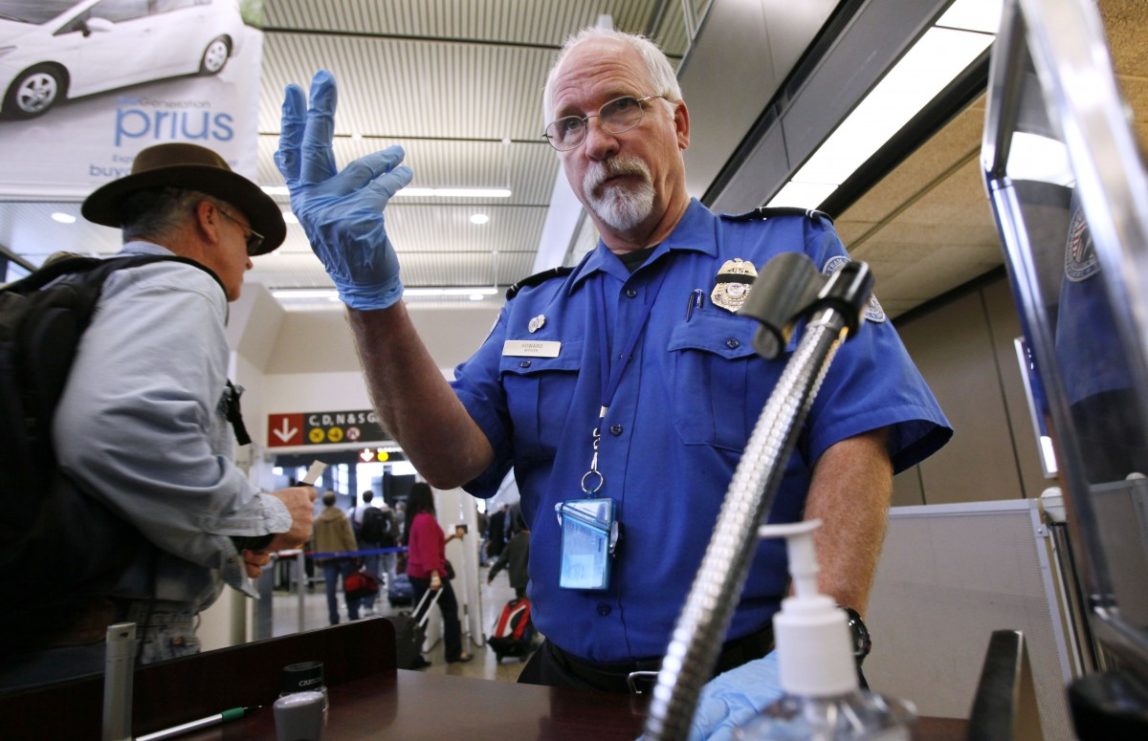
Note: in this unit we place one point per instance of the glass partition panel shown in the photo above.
(1068, 188)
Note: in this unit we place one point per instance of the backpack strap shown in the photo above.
(96, 270)
(234, 414)
(98, 267)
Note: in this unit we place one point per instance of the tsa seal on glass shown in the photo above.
(732, 283)
(1080, 260)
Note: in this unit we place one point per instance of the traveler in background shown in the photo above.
(483, 535)
(427, 566)
(369, 524)
(515, 557)
(496, 532)
(333, 534)
(142, 425)
(390, 540)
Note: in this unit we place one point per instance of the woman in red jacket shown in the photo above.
(426, 566)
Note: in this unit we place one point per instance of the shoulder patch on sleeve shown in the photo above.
(537, 279)
(759, 214)
(873, 311)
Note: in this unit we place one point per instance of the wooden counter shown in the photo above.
(369, 699)
(413, 705)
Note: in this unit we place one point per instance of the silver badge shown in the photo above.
(733, 282)
(536, 323)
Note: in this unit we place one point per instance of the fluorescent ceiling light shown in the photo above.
(800, 195)
(479, 219)
(425, 292)
(454, 192)
(330, 294)
(973, 15)
(922, 73)
(1048, 453)
(412, 192)
(63, 218)
(1036, 157)
(306, 294)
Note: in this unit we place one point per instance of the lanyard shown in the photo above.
(611, 372)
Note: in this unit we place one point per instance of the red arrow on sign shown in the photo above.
(284, 429)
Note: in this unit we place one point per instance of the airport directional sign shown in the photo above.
(323, 428)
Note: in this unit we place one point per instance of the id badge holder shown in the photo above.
(589, 535)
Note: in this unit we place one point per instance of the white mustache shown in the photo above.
(600, 172)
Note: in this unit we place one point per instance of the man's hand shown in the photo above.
(254, 561)
(300, 501)
(341, 212)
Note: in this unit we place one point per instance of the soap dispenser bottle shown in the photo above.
(822, 697)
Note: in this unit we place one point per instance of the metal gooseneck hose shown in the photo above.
(697, 637)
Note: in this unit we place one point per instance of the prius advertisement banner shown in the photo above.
(87, 84)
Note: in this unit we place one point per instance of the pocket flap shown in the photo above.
(728, 336)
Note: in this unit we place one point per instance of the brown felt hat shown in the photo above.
(189, 167)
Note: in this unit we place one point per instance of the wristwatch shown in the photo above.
(862, 643)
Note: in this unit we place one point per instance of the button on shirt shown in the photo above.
(687, 402)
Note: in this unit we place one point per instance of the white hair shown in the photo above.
(658, 67)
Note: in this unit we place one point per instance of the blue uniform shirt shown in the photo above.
(676, 427)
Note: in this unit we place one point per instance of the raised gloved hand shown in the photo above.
(731, 699)
(341, 212)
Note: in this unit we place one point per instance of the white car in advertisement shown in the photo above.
(52, 50)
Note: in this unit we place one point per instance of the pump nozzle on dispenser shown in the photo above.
(815, 651)
(816, 668)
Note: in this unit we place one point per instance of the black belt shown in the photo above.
(616, 676)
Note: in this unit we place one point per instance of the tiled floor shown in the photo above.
(483, 666)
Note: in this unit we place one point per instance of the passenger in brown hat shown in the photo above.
(142, 426)
(190, 196)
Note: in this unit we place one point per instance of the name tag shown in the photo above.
(531, 348)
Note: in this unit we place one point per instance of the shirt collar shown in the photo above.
(693, 233)
(140, 247)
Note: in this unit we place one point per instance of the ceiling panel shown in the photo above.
(398, 88)
(491, 21)
(449, 80)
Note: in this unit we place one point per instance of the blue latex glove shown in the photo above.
(730, 700)
(341, 212)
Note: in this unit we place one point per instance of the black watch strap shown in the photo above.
(862, 643)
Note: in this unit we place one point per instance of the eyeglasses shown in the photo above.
(615, 117)
(253, 238)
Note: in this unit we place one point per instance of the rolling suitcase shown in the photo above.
(513, 633)
(411, 630)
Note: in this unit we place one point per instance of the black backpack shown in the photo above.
(374, 527)
(57, 544)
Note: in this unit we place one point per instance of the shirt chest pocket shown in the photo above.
(538, 393)
(718, 383)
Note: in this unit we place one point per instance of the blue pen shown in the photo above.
(211, 720)
(697, 297)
